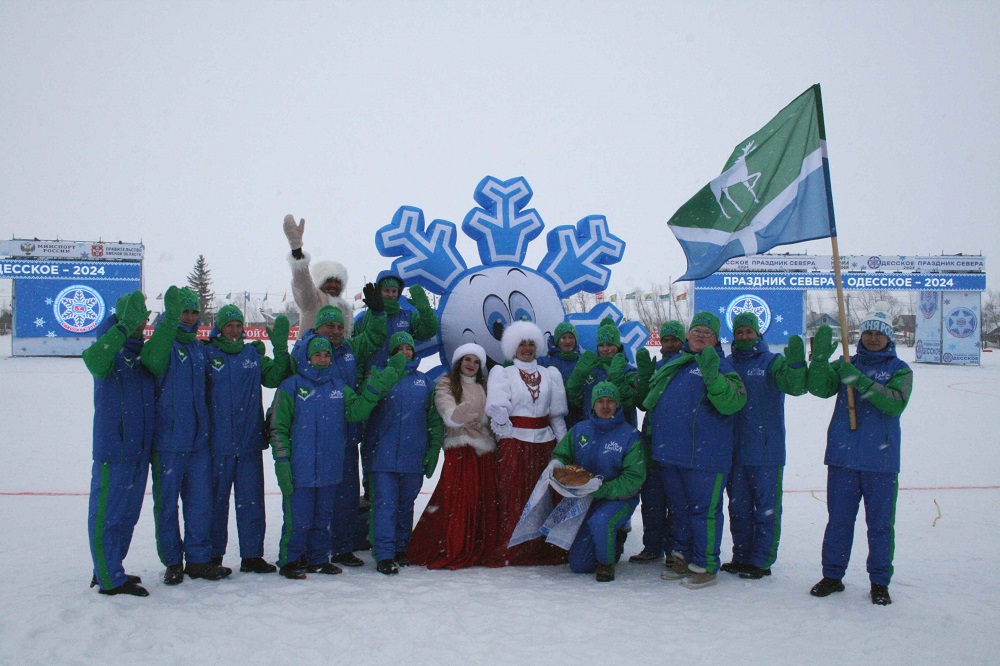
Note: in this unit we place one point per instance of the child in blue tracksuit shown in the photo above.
(754, 486)
(861, 463)
(309, 418)
(564, 352)
(655, 520)
(690, 405)
(236, 373)
(608, 447)
(182, 461)
(124, 413)
(403, 438)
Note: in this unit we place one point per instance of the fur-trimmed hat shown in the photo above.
(604, 390)
(322, 271)
(706, 319)
(226, 314)
(470, 349)
(327, 314)
(878, 319)
(400, 338)
(518, 331)
(672, 329)
(747, 319)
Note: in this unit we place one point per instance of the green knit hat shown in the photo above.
(747, 319)
(189, 300)
(706, 319)
(609, 333)
(672, 329)
(226, 314)
(390, 281)
(401, 338)
(562, 329)
(604, 390)
(328, 314)
(318, 344)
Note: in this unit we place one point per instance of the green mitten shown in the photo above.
(382, 380)
(173, 302)
(617, 368)
(419, 298)
(259, 346)
(279, 334)
(708, 363)
(397, 363)
(135, 313)
(645, 363)
(283, 470)
(795, 352)
(430, 462)
(588, 361)
(851, 376)
(823, 347)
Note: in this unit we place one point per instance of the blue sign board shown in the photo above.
(851, 281)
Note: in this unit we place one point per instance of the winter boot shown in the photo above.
(754, 573)
(207, 570)
(677, 568)
(293, 571)
(174, 575)
(324, 568)
(217, 561)
(387, 567)
(128, 587)
(348, 560)
(620, 537)
(826, 587)
(605, 573)
(131, 579)
(401, 559)
(644, 557)
(256, 565)
(698, 577)
(735, 567)
(880, 595)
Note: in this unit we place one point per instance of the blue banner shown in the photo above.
(35, 269)
(851, 281)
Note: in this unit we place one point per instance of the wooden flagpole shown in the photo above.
(845, 339)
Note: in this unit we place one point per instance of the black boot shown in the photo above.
(207, 570)
(293, 571)
(880, 595)
(401, 560)
(174, 575)
(131, 579)
(644, 557)
(128, 587)
(752, 572)
(605, 573)
(256, 565)
(826, 587)
(387, 567)
(735, 567)
(217, 561)
(324, 568)
(348, 560)
(620, 537)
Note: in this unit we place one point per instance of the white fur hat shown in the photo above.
(518, 331)
(470, 349)
(322, 271)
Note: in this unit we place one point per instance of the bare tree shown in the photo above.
(990, 312)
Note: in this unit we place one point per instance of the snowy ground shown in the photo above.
(945, 588)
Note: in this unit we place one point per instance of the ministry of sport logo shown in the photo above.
(749, 303)
(961, 322)
(78, 308)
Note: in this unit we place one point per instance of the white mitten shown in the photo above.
(293, 232)
(465, 414)
(498, 414)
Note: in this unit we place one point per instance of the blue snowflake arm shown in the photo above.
(502, 228)
(578, 258)
(428, 258)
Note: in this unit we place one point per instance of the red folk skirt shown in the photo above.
(519, 464)
(459, 526)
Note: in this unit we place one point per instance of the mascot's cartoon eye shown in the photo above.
(520, 307)
(496, 315)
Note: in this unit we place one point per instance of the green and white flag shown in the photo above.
(774, 190)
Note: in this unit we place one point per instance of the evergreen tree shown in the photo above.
(200, 280)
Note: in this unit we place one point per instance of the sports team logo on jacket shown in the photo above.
(613, 446)
(583, 440)
(304, 392)
(217, 363)
(182, 354)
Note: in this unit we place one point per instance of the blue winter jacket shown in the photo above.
(344, 367)
(886, 385)
(556, 358)
(397, 433)
(124, 398)
(235, 400)
(182, 421)
(686, 429)
(609, 448)
(760, 425)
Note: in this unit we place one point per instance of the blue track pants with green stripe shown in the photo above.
(755, 513)
(596, 542)
(183, 477)
(116, 493)
(306, 529)
(694, 500)
(845, 489)
(242, 475)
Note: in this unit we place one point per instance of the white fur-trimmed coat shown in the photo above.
(508, 391)
(476, 434)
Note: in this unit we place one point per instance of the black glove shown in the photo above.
(373, 298)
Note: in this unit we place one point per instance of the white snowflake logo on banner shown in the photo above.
(79, 308)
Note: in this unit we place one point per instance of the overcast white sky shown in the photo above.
(195, 126)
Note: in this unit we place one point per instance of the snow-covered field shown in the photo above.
(946, 591)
